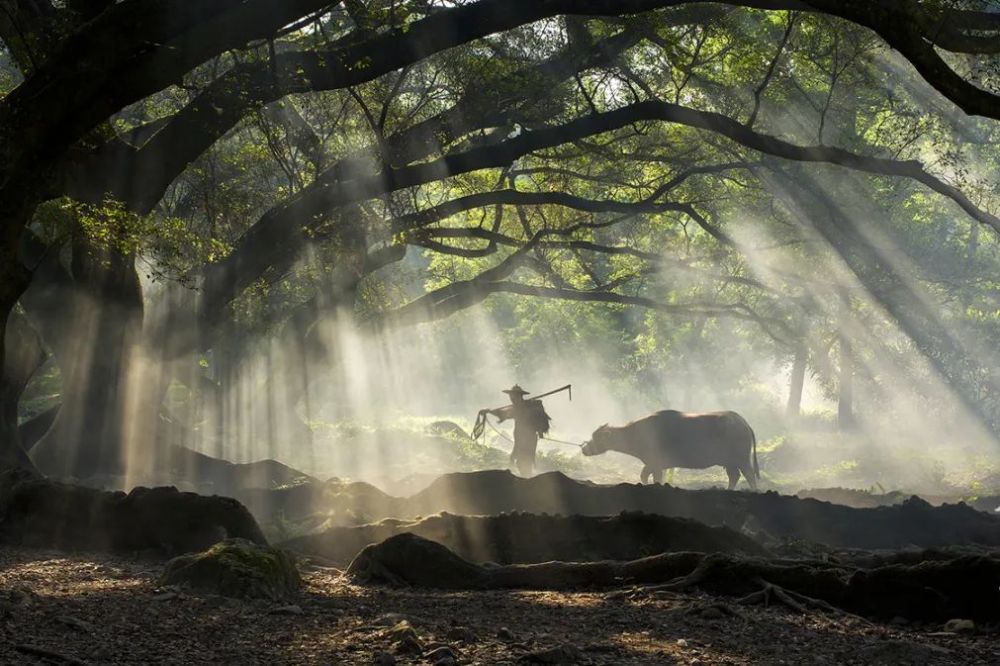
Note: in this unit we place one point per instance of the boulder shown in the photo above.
(960, 626)
(237, 568)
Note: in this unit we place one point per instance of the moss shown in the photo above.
(236, 568)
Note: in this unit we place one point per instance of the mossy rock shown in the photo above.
(236, 568)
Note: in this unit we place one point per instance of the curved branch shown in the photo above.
(521, 198)
(449, 300)
(273, 237)
(180, 139)
(497, 239)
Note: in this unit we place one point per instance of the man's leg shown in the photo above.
(524, 454)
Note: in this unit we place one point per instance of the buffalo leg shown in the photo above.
(644, 475)
(734, 476)
(747, 470)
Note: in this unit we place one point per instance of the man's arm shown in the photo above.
(503, 413)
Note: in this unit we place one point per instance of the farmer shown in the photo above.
(530, 423)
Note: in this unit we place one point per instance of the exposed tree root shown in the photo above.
(713, 610)
(796, 601)
(934, 589)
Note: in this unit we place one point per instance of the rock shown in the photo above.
(460, 634)
(682, 643)
(960, 626)
(384, 659)
(401, 630)
(442, 655)
(164, 596)
(237, 568)
(562, 654)
(409, 645)
(504, 634)
(405, 639)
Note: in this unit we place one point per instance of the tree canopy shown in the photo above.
(182, 180)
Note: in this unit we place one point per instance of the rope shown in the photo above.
(485, 421)
(561, 441)
(498, 431)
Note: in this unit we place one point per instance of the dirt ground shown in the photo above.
(57, 609)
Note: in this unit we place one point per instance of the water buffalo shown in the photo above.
(678, 439)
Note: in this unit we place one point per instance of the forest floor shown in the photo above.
(99, 609)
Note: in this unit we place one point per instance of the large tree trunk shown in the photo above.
(270, 415)
(87, 436)
(13, 281)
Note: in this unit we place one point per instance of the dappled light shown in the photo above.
(641, 327)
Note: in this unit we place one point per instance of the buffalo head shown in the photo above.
(599, 442)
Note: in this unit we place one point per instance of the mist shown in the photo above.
(368, 412)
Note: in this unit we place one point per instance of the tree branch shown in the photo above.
(269, 239)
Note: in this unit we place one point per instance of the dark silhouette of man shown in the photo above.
(530, 423)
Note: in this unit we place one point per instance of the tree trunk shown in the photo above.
(845, 400)
(890, 288)
(798, 379)
(87, 436)
(24, 355)
(13, 281)
(796, 383)
(845, 381)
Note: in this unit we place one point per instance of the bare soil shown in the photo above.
(519, 538)
(100, 609)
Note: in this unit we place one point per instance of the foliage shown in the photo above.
(691, 266)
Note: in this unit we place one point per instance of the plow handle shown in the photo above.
(568, 387)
